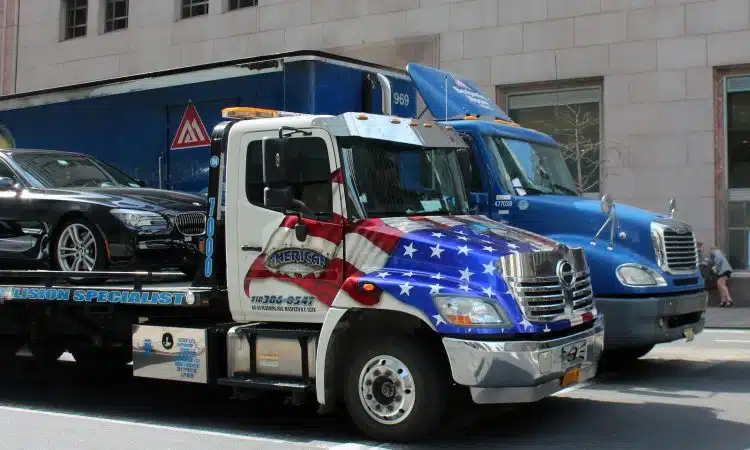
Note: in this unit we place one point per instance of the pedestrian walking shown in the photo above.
(719, 264)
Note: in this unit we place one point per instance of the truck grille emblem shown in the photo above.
(565, 273)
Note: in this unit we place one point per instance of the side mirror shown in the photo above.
(606, 204)
(140, 183)
(279, 162)
(6, 183)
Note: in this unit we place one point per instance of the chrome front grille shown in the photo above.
(674, 246)
(545, 293)
(190, 224)
(544, 300)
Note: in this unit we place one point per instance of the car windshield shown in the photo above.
(530, 168)
(388, 179)
(52, 170)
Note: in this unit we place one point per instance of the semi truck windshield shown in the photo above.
(532, 168)
(388, 179)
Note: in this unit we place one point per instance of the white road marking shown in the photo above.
(575, 387)
(726, 330)
(242, 437)
(732, 340)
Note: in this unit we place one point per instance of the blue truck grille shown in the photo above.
(190, 224)
(545, 299)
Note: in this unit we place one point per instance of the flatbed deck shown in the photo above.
(127, 288)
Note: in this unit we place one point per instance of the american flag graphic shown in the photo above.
(408, 259)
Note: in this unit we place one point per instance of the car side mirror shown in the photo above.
(7, 184)
(140, 183)
(279, 166)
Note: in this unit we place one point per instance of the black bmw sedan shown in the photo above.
(71, 212)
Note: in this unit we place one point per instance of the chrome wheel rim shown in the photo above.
(386, 390)
(76, 249)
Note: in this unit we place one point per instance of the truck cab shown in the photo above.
(356, 230)
(644, 265)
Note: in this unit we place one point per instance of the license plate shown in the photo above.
(573, 355)
(571, 377)
(188, 239)
(689, 334)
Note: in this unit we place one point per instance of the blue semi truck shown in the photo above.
(154, 126)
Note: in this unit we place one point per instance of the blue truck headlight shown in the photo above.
(140, 220)
(639, 276)
(471, 311)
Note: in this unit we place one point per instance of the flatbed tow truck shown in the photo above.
(325, 276)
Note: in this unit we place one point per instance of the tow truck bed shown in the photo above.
(125, 288)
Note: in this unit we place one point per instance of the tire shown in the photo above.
(625, 355)
(420, 396)
(79, 241)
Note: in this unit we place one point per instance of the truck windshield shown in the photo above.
(531, 168)
(388, 179)
(60, 170)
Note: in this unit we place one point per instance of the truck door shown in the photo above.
(477, 187)
(286, 272)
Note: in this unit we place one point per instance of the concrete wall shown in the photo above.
(656, 58)
(8, 41)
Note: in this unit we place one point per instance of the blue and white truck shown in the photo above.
(645, 275)
(644, 265)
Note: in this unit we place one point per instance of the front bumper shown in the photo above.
(633, 322)
(522, 371)
(154, 251)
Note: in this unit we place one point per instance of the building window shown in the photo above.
(115, 15)
(193, 8)
(738, 170)
(573, 118)
(237, 4)
(76, 15)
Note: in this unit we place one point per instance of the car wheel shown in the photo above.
(79, 247)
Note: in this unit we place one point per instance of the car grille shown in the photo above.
(675, 247)
(540, 293)
(190, 224)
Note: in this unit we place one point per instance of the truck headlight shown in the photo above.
(471, 312)
(137, 219)
(639, 276)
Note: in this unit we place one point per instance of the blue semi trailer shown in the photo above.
(645, 274)
(132, 122)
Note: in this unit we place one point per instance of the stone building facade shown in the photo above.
(659, 81)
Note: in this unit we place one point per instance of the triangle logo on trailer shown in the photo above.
(191, 133)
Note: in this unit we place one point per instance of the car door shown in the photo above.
(282, 277)
(15, 241)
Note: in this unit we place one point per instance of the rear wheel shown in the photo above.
(79, 247)
(395, 390)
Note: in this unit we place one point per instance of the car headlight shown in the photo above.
(137, 219)
(638, 275)
(471, 312)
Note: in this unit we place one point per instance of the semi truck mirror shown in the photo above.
(278, 162)
(6, 183)
(281, 198)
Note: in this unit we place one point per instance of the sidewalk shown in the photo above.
(736, 317)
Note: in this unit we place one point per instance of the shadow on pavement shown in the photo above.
(560, 422)
(665, 375)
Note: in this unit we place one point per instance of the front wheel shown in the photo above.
(395, 390)
(79, 247)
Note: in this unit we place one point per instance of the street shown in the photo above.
(682, 396)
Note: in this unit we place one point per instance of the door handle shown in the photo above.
(250, 248)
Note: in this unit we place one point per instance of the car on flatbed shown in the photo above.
(70, 212)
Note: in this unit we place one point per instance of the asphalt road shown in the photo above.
(681, 396)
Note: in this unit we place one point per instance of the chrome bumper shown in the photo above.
(522, 371)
